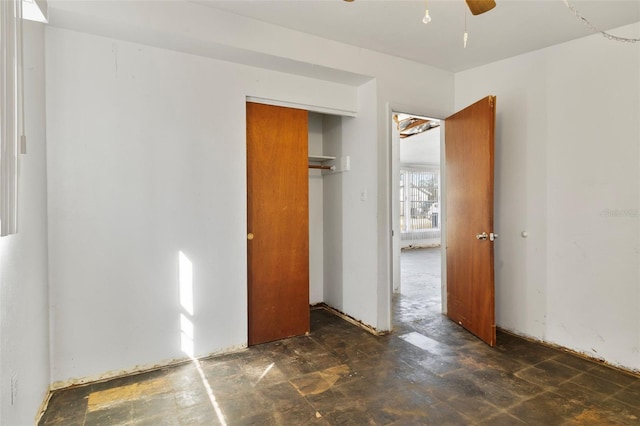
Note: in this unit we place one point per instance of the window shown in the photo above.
(419, 201)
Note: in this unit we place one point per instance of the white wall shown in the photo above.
(422, 149)
(332, 215)
(350, 198)
(359, 200)
(401, 84)
(316, 230)
(147, 158)
(24, 324)
(567, 172)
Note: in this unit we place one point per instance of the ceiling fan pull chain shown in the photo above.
(465, 37)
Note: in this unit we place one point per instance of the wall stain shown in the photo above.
(114, 50)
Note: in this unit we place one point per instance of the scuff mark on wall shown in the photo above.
(114, 50)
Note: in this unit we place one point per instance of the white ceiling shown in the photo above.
(395, 27)
(423, 148)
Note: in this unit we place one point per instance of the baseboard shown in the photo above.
(139, 369)
(350, 319)
(599, 361)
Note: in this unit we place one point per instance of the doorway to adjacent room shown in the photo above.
(416, 214)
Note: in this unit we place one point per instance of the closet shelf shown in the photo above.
(320, 158)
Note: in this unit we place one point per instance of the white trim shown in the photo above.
(420, 167)
(10, 112)
(313, 108)
(443, 219)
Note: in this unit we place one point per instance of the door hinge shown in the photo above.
(491, 98)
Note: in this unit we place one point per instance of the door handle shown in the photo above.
(484, 236)
(250, 236)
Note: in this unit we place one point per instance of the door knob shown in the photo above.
(482, 236)
(250, 236)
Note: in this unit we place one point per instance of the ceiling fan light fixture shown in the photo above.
(426, 18)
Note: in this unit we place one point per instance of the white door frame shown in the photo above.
(394, 262)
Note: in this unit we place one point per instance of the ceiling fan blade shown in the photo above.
(480, 6)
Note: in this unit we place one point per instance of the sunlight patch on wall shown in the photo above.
(185, 268)
(185, 282)
(186, 335)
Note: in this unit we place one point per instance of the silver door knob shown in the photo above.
(482, 236)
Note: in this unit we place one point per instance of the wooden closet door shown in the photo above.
(277, 222)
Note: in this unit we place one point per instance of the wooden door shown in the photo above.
(277, 222)
(469, 153)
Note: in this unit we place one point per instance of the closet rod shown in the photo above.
(318, 166)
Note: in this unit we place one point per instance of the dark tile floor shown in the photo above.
(428, 371)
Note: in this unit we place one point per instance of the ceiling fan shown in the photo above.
(475, 6)
(480, 6)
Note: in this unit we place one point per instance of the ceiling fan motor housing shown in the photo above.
(480, 6)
